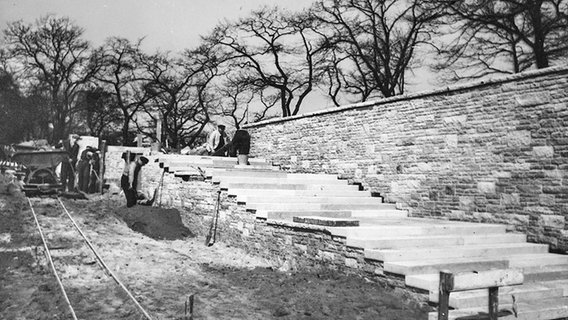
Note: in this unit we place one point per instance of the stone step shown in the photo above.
(546, 273)
(458, 251)
(398, 242)
(298, 206)
(428, 280)
(207, 167)
(298, 193)
(322, 176)
(288, 215)
(537, 260)
(480, 298)
(372, 217)
(326, 221)
(420, 267)
(288, 186)
(177, 158)
(420, 230)
(543, 309)
(248, 171)
(557, 284)
(283, 179)
(475, 298)
(304, 199)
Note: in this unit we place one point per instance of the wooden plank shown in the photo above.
(485, 279)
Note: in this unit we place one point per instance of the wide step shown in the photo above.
(480, 298)
(420, 267)
(433, 241)
(289, 215)
(421, 230)
(471, 251)
(545, 309)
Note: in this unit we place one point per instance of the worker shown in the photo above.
(84, 168)
(241, 147)
(71, 146)
(130, 178)
(217, 140)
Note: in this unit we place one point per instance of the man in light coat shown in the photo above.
(216, 140)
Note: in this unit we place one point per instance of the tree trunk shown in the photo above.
(541, 57)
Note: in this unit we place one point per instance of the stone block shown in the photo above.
(519, 218)
(484, 216)
(553, 221)
(532, 99)
(546, 200)
(543, 152)
(451, 140)
(512, 199)
(326, 255)
(351, 263)
(456, 215)
(466, 202)
(461, 119)
(518, 138)
(486, 187)
(538, 210)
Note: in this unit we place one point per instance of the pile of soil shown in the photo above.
(156, 223)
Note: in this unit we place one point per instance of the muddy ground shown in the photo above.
(162, 268)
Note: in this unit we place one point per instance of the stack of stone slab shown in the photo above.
(414, 248)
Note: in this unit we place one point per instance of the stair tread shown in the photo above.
(461, 247)
(551, 308)
(434, 236)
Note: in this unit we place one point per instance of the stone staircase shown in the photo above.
(413, 248)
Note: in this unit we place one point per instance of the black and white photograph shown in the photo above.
(298, 159)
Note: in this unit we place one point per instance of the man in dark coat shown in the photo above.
(68, 167)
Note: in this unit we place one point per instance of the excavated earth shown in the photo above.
(160, 256)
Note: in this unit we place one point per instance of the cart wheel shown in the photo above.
(42, 176)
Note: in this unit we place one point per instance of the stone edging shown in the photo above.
(412, 96)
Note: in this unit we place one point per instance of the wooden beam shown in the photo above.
(485, 279)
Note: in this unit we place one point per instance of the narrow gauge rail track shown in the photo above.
(78, 267)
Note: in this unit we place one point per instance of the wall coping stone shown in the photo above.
(417, 95)
(296, 225)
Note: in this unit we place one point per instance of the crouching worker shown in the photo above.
(241, 147)
(130, 178)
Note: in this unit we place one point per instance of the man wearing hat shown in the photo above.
(217, 139)
(68, 167)
(131, 178)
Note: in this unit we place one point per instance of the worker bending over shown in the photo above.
(130, 179)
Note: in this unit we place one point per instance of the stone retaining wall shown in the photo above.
(488, 152)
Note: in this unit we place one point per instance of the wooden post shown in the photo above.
(446, 283)
(493, 303)
(159, 129)
(139, 140)
(102, 163)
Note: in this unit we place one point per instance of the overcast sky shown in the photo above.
(167, 24)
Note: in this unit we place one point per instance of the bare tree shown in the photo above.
(100, 112)
(51, 56)
(376, 42)
(503, 37)
(122, 74)
(278, 53)
(180, 94)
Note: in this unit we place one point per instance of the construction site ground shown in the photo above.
(160, 255)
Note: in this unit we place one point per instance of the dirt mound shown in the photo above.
(156, 223)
